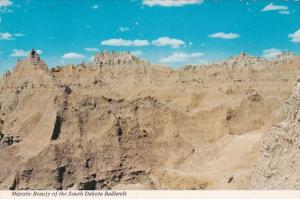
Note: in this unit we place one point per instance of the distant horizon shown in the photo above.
(170, 33)
(165, 65)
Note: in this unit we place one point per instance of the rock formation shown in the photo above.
(123, 123)
(115, 58)
(245, 62)
(278, 166)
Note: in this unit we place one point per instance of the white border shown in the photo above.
(153, 194)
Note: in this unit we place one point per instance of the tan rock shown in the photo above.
(135, 125)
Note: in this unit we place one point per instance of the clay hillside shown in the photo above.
(123, 123)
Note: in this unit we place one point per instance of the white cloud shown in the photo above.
(170, 3)
(95, 6)
(124, 29)
(180, 57)
(166, 41)
(295, 37)
(271, 53)
(201, 61)
(38, 51)
(223, 35)
(91, 49)
(19, 35)
(9, 36)
(6, 36)
(22, 53)
(284, 12)
(124, 42)
(136, 53)
(162, 41)
(72, 55)
(272, 7)
(5, 3)
(91, 59)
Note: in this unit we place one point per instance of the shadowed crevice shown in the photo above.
(57, 128)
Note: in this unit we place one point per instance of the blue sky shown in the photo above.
(161, 31)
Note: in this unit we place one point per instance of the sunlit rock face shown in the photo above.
(278, 166)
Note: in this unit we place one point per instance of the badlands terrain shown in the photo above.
(123, 123)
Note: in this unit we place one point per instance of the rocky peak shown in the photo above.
(244, 61)
(114, 58)
(244, 57)
(29, 69)
(32, 62)
(33, 57)
(285, 56)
